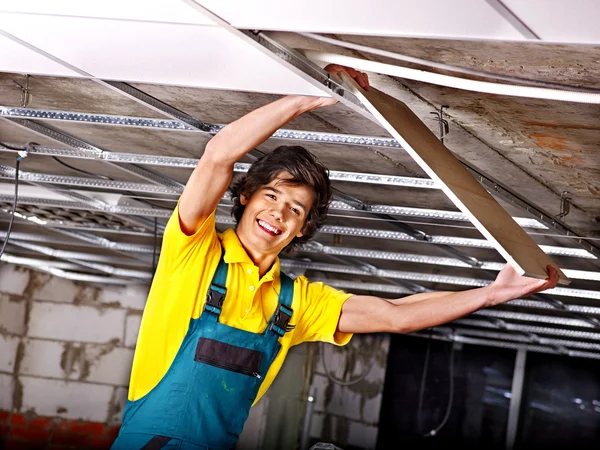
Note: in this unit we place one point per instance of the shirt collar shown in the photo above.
(235, 253)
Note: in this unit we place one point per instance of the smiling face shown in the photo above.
(273, 216)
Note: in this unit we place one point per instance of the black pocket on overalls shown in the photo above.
(230, 357)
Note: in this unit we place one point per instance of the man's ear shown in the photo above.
(243, 199)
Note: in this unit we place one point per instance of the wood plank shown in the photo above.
(486, 214)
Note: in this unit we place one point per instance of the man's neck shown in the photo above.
(262, 260)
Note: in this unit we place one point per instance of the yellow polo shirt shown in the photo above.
(183, 275)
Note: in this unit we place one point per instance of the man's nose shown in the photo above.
(277, 212)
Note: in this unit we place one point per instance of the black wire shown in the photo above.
(80, 170)
(422, 387)
(14, 208)
(102, 177)
(434, 431)
(10, 147)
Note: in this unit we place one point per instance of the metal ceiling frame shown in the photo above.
(438, 240)
(316, 76)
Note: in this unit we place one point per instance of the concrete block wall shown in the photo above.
(65, 358)
(347, 386)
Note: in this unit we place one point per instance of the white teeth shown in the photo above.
(268, 227)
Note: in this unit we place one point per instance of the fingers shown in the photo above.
(360, 77)
(553, 275)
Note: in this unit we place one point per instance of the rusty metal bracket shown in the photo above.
(25, 94)
(444, 127)
(565, 206)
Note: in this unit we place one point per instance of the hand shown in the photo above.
(360, 77)
(509, 285)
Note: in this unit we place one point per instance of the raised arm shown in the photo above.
(214, 171)
(369, 314)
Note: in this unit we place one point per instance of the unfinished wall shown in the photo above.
(65, 357)
(347, 387)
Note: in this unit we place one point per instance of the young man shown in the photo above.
(221, 317)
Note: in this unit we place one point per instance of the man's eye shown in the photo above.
(296, 211)
(271, 196)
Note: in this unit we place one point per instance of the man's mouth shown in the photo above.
(268, 228)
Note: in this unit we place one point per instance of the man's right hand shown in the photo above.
(360, 77)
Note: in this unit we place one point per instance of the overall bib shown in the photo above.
(204, 399)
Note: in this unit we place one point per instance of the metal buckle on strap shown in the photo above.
(215, 298)
(281, 320)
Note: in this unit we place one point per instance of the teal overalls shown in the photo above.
(204, 399)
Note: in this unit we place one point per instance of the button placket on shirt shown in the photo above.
(253, 277)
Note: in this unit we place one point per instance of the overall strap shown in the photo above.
(217, 290)
(279, 323)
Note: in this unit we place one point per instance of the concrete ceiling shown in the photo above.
(110, 85)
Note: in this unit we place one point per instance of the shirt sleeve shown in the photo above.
(321, 307)
(179, 248)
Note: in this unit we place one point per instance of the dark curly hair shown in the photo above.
(305, 169)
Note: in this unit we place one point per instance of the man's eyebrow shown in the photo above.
(270, 188)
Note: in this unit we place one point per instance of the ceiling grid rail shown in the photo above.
(125, 211)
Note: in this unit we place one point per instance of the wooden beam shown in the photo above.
(484, 212)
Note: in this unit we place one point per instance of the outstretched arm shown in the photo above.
(211, 177)
(369, 314)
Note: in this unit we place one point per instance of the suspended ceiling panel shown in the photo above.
(147, 52)
(573, 21)
(384, 17)
(145, 10)
(552, 20)
(15, 57)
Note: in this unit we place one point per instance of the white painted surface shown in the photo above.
(470, 19)
(85, 401)
(149, 52)
(75, 323)
(573, 21)
(132, 296)
(8, 351)
(12, 315)
(42, 358)
(6, 392)
(113, 367)
(132, 328)
(13, 279)
(18, 58)
(56, 290)
(145, 10)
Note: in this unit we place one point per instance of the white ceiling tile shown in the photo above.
(466, 19)
(15, 57)
(573, 21)
(150, 52)
(145, 10)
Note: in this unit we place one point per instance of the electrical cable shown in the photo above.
(22, 154)
(358, 379)
(103, 177)
(80, 170)
(435, 430)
